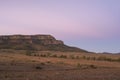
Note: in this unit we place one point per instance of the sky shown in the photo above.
(92, 25)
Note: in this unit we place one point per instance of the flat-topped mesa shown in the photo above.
(33, 39)
(27, 37)
(34, 42)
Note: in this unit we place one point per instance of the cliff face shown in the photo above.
(37, 42)
(30, 39)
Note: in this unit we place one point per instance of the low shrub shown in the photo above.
(48, 62)
(29, 52)
(54, 55)
(48, 54)
(78, 65)
(38, 67)
(43, 55)
(72, 57)
(86, 66)
(62, 56)
(42, 63)
(92, 66)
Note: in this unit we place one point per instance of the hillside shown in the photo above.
(42, 57)
(34, 42)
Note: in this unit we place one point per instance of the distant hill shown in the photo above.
(107, 53)
(118, 53)
(34, 42)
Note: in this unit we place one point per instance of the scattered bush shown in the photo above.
(48, 62)
(43, 55)
(86, 66)
(103, 58)
(93, 66)
(42, 63)
(118, 59)
(72, 57)
(78, 65)
(54, 55)
(29, 52)
(93, 58)
(88, 58)
(48, 54)
(38, 67)
(35, 55)
(84, 57)
(34, 61)
(63, 56)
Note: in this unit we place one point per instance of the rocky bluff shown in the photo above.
(30, 39)
(34, 42)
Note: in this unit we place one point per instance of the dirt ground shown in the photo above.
(23, 67)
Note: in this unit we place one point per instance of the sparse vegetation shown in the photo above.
(63, 56)
(77, 57)
(43, 55)
(54, 56)
(48, 62)
(93, 66)
(34, 61)
(30, 52)
(78, 65)
(93, 58)
(100, 58)
(42, 63)
(72, 57)
(38, 67)
(48, 54)
(118, 59)
(86, 66)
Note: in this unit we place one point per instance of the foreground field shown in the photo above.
(18, 65)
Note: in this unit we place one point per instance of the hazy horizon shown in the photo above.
(92, 25)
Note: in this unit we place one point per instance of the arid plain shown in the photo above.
(56, 65)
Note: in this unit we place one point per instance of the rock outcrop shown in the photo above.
(34, 42)
(30, 39)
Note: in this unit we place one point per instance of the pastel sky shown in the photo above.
(93, 25)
